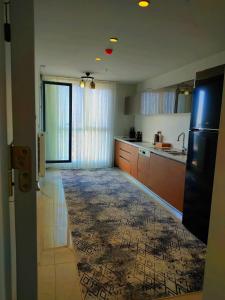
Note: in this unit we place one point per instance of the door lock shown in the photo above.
(20, 159)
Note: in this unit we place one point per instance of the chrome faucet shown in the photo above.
(184, 150)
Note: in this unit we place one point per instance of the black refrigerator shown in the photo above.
(202, 148)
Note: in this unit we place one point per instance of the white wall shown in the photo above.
(123, 122)
(170, 125)
(183, 74)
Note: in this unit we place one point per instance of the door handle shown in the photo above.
(38, 188)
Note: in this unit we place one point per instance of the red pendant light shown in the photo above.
(108, 51)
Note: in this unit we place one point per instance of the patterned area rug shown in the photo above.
(127, 245)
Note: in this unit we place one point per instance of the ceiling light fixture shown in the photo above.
(144, 3)
(114, 39)
(82, 84)
(85, 78)
(186, 91)
(92, 85)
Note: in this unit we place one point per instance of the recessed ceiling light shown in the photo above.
(98, 59)
(144, 3)
(114, 39)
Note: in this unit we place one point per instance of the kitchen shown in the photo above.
(181, 176)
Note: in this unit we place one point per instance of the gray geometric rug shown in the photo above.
(127, 245)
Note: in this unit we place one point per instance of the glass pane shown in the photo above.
(168, 104)
(184, 103)
(150, 103)
(57, 122)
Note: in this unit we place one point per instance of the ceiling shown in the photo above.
(167, 35)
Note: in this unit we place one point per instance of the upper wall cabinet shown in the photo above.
(150, 103)
(132, 105)
(184, 103)
(158, 102)
(164, 102)
(168, 102)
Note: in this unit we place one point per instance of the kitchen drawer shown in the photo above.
(124, 165)
(126, 157)
(126, 147)
(124, 154)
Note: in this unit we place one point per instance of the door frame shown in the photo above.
(5, 259)
(24, 134)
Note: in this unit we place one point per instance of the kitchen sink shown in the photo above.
(174, 152)
(132, 141)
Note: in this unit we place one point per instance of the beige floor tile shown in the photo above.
(67, 283)
(47, 257)
(48, 238)
(60, 236)
(46, 283)
(64, 255)
(191, 296)
(57, 273)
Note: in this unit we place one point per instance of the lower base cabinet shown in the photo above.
(126, 158)
(164, 176)
(143, 169)
(167, 179)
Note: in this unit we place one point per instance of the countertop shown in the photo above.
(150, 147)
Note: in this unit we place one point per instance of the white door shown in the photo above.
(24, 134)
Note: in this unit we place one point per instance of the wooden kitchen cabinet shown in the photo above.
(143, 169)
(164, 176)
(126, 157)
(167, 179)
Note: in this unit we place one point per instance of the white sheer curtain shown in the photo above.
(93, 113)
(93, 123)
(169, 98)
(57, 122)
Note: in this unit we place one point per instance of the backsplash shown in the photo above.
(170, 125)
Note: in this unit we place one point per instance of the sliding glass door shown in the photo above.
(58, 121)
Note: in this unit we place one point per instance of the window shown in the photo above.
(58, 121)
(86, 139)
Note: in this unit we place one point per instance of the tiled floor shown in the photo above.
(57, 274)
(193, 296)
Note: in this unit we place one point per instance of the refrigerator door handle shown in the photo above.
(194, 129)
(204, 129)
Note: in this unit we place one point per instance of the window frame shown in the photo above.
(44, 83)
